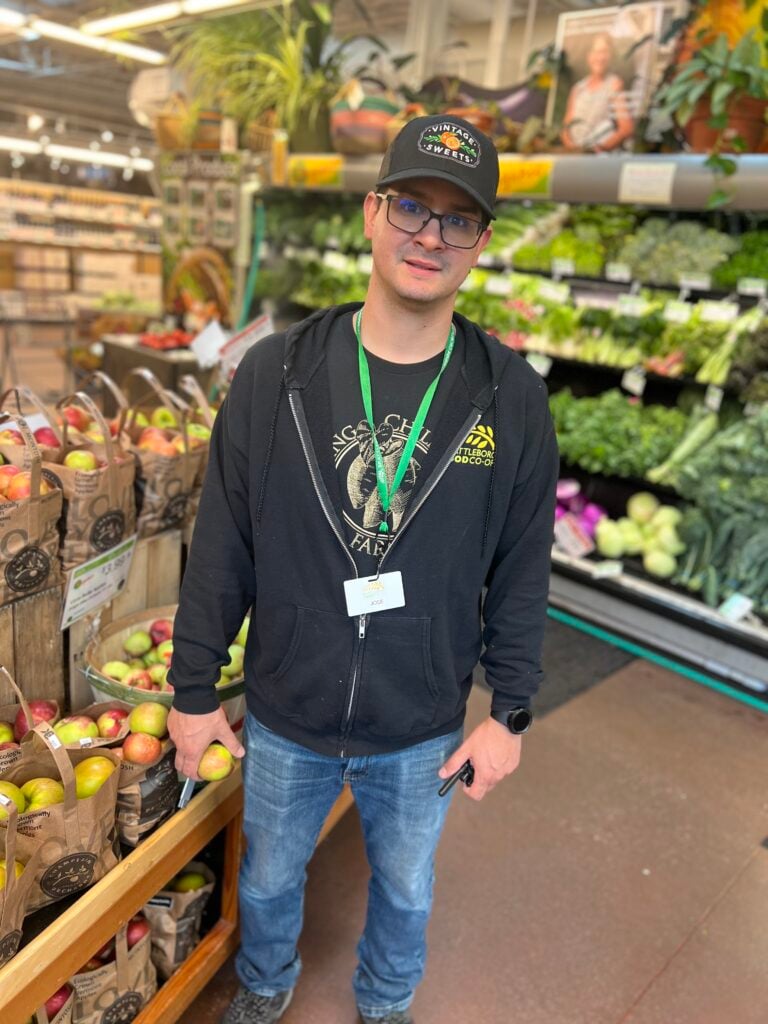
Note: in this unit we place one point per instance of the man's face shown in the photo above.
(599, 59)
(421, 268)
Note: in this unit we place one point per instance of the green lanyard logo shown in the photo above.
(386, 493)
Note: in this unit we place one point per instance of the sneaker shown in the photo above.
(249, 1008)
(396, 1017)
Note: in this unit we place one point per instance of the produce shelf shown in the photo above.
(664, 620)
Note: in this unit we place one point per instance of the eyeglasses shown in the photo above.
(409, 215)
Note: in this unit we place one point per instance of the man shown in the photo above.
(371, 472)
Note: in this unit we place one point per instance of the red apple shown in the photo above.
(76, 728)
(6, 472)
(109, 723)
(91, 774)
(9, 746)
(139, 678)
(81, 460)
(20, 486)
(57, 1000)
(42, 711)
(77, 418)
(137, 928)
(139, 748)
(160, 630)
(46, 437)
(11, 437)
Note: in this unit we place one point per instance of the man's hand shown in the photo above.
(494, 752)
(193, 733)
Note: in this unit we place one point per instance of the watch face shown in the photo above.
(520, 720)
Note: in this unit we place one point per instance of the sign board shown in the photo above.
(238, 345)
(96, 582)
(524, 176)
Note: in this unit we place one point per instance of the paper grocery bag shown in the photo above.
(115, 993)
(93, 711)
(79, 839)
(8, 714)
(203, 413)
(16, 400)
(64, 1016)
(29, 537)
(99, 506)
(146, 795)
(176, 918)
(164, 480)
(14, 896)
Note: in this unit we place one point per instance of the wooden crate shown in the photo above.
(31, 646)
(154, 580)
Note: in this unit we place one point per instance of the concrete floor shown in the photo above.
(620, 877)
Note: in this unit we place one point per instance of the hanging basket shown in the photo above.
(358, 129)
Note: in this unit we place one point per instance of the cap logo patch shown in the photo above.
(450, 141)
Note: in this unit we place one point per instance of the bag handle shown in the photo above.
(191, 386)
(5, 674)
(22, 391)
(121, 960)
(155, 387)
(90, 407)
(35, 473)
(66, 771)
(10, 855)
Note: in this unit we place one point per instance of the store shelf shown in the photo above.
(72, 244)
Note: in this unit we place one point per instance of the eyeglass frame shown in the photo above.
(481, 225)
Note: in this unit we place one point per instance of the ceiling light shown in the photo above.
(65, 34)
(106, 159)
(132, 19)
(107, 135)
(13, 19)
(35, 122)
(19, 145)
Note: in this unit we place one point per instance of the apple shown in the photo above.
(136, 663)
(94, 434)
(165, 650)
(6, 472)
(41, 710)
(91, 965)
(137, 928)
(160, 630)
(11, 437)
(20, 486)
(109, 723)
(46, 437)
(152, 658)
(139, 679)
(158, 674)
(91, 774)
(163, 418)
(55, 1002)
(242, 633)
(166, 686)
(9, 746)
(115, 670)
(216, 763)
(18, 867)
(188, 881)
(6, 732)
(140, 748)
(41, 793)
(76, 728)
(8, 789)
(81, 460)
(77, 418)
(164, 448)
(234, 666)
(138, 643)
(141, 419)
(150, 718)
(199, 431)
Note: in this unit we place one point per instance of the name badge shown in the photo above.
(374, 594)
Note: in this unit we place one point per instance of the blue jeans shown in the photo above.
(288, 793)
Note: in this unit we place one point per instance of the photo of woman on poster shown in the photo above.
(597, 116)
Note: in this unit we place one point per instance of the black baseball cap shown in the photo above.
(446, 147)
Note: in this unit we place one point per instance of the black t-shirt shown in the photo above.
(397, 390)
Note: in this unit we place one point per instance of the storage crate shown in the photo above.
(31, 646)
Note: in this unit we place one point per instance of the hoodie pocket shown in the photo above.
(309, 683)
(398, 694)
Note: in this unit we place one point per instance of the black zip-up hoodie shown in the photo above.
(269, 535)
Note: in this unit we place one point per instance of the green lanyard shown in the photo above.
(386, 493)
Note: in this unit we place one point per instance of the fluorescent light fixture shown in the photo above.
(19, 145)
(12, 19)
(65, 34)
(143, 16)
(86, 156)
(35, 122)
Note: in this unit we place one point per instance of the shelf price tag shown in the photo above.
(719, 312)
(695, 282)
(609, 569)
(542, 364)
(736, 607)
(756, 286)
(563, 268)
(634, 381)
(571, 538)
(618, 272)
(498, 284)
(554, 291)
(677, 312)
(631, 305)
(713, 397)
(96, 582)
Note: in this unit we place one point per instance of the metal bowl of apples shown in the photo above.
(129, 659)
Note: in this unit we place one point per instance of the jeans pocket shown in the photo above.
(398, 692)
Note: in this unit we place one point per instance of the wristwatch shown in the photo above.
(517, 720)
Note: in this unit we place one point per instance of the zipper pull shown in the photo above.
(361, 630)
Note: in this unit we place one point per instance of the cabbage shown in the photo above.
(610, 542)
(642, 507)
(667, 515)
(667, 540)
(631, 536)
(659, 563)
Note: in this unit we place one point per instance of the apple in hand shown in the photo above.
(41, 711)
(91, 774)
(117, 670)
(76, 728)
(81, 460)
(110, 723)
(6, 732)
(18, 867)
(12, 792)
(6, 472)
(55, 1002)
(46, 437)
(140, 748)
(160, 630)
(42, 792)
(188, 881)
(216, 763)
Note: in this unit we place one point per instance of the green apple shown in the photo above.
(188, 881)
(216, 763)
(163, 418)
(76, 728)
(234, 667)
(150, 718)
(8, 789)
(18, 867)
(91, 774)
(242, 633)
(43, 792)
(115, 669)
(6, 732)
(138, 643)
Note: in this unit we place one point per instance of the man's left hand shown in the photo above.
(494, 752)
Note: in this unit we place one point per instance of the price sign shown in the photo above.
(563, 268)
(554, 291)
(756, 286)
(234, 350)
(542, 364)
(96, 582)
(695, 282)
(713, 397)
(324, 171)
(719, 312)
(607, 570)
(677, 312)
(498, 284)
(631, 305)
(571, 538)
(736, 607)
(618, 272)
(634, 381)
(524, 176)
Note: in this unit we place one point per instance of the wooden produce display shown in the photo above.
(31, 646)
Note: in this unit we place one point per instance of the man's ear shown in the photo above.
(371, 205)
(482, 242)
